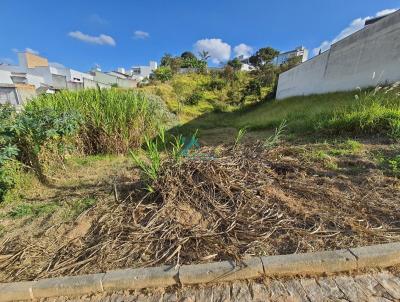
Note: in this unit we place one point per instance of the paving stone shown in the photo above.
(187, 293)
(221, 292)
(170, 297)
(204, 294)
(329, 288)
(390, 283)
(378, 299)
(312, 289)
(370, 284)
(240, 292)
(276, 290)
(152, 297)
(351, 289)
(295, 290)
(259, 292)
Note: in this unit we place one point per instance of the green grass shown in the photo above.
(77, 207)
(270, 114)
(328, 152)
(32, 209)
(389, 162)
(90, 159)
(349, 147)
(367, 112)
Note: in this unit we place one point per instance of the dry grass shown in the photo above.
(221, 204)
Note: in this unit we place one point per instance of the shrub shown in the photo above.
(216, 84)
(163, 73)
(23, 137)
(194, 98)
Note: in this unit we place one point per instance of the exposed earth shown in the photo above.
(222, 202)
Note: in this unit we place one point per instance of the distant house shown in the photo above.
(34, 75)
(110, 79)
(142, 72)
(300, 51)
(18, 83)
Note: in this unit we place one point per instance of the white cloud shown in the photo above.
(243, 50)
(386, 12)
(35, 52)
(354, 26)
(100, 40)
(140, 34)
(218, 50)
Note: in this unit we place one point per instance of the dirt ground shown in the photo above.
(222, 202)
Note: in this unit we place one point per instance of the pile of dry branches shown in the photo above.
(246, 201)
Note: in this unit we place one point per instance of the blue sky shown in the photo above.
(116, 33)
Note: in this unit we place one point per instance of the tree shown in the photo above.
(290, 63)
(235, 64)
(263, 56)
(172, 62)
(188, 55)
(204, 55)
(163, 73)
(166, 60)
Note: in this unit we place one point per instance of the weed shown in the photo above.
(151, 164)
(149, 160)
(274, 140)
(394, 165)
(239, 136)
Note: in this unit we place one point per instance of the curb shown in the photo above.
(376, 256)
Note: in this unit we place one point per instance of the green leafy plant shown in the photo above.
(156, 150)
(394, 165)
(150, 165)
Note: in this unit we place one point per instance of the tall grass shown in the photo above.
(113, 121)
(373, 112)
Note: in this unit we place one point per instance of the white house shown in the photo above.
(142, 72)
(300, 51)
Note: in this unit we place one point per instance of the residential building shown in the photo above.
(34, 75)
(300, 51)
(142, 72)
(113, 79)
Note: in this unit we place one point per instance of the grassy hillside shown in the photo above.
(369, 112)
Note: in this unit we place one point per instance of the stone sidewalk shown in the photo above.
(379, 286)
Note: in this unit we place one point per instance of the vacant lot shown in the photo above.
(222, 202)
(303, 174)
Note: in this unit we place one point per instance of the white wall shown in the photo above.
(79, 75)
(5, 77)
(367, 58)
(8, 95)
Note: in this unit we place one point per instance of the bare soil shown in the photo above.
(221, 203)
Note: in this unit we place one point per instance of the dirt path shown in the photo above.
(379, 286)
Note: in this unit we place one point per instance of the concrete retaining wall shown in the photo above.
(369, 57)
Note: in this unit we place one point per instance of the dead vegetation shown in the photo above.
(229, 204)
